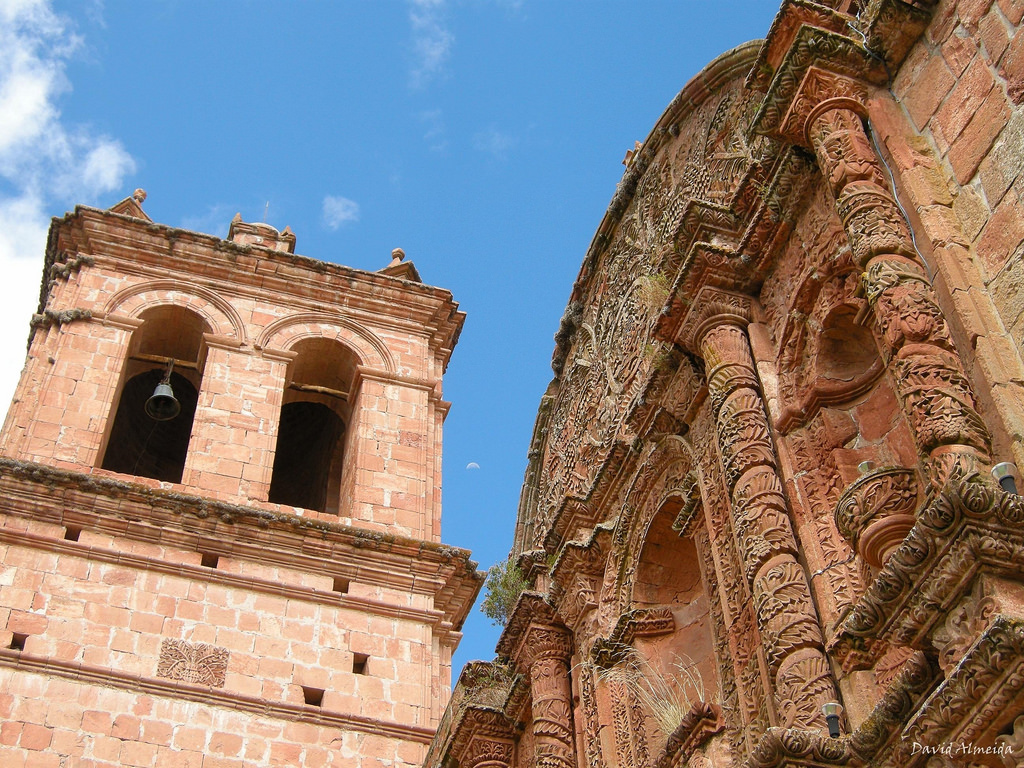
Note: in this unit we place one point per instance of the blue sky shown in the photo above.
(485, 137)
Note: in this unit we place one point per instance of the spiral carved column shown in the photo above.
(928, 375)
(786, 617)
(548, 652)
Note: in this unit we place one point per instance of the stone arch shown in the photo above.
(218, 313)
(659, 581)
(366, 345)
(664, 471)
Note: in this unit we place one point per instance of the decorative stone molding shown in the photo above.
(970, 529)
(881, 732)
(540, 645)
(790, 748)
(576, 575)
(980, 697)
(483, 738)
(876, 511)
(698, 725)
(786, 617)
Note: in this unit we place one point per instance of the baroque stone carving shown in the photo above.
(876, 511)
(933, 390)
(194, 663)
(785, 614)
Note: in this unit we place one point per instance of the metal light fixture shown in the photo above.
(162, 404)
(1006, 474)
(832, 710)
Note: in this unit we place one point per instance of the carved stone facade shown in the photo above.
(220, 507)
(759, 482)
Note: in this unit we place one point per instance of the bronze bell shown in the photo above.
(162, 404)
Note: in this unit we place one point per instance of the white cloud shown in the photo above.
(44, 164)
(435, 135)
(431, 40)
(339, 211)
(494, 142)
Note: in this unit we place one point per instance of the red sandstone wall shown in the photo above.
(953, 131)
(64, 404)
(164, 624)
(89, 683)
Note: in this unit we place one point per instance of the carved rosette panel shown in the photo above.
(932, 388)
(701, 161)
(194, 663)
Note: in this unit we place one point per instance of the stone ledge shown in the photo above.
(90, 675)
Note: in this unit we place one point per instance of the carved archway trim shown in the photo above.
(368, 347)
(223, 319)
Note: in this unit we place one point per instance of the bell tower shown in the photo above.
(220, 504)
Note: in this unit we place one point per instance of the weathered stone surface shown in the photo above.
(849, 378)
(148, 619)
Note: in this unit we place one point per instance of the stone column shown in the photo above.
(485, 752)
(926, 370)
(548, 651)
(786, 617)
(483, 739)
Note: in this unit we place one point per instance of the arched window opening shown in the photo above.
(136, 443)
(315, 413)
(682, 665)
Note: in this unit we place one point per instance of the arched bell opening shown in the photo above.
(315, 420)
(152, 425)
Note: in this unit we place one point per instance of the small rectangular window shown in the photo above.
(209, 560)
(72, 534)
(360, 662)
(314, 697)
(18, 641)
(341, 585)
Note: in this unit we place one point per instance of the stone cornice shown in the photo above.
(969, 527)
(814, 54)
(223, 578)
(476, 709)
(881, 732)
(155, 249)
(143, 513)
(643, 622)
(176, 689)
(700, 723)
(979, 697)
(534, 631)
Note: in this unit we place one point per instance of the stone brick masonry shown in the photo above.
(195, 623)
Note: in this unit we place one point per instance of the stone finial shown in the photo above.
(139, 196)
(631, 153)
(397, 257)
